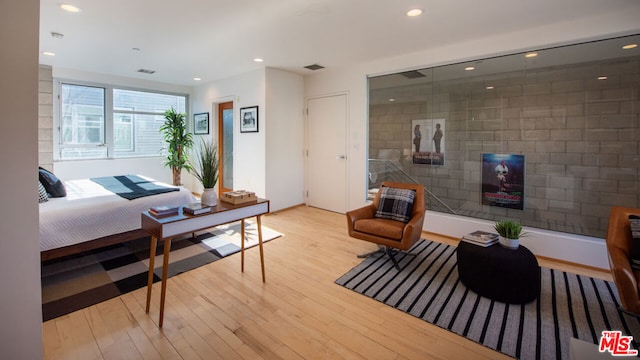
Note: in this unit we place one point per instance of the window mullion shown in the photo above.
(108, 123)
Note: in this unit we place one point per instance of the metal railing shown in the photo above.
(386, 170)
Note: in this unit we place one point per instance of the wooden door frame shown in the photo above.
(227, 105)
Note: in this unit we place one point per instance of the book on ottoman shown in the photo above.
(481, 238)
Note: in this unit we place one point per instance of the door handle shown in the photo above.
(341, 157)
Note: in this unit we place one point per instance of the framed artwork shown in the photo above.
(201, 123)
(503, 180)
(249, 119)
(427, 137)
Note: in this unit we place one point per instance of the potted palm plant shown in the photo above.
(510, 233)
(179, 141)
(206, 171)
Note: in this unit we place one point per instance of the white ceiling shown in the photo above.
(214, 39)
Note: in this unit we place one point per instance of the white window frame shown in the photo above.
(109, 144)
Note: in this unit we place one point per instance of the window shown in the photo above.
(570, 117)
(103, 122)
(82, 127)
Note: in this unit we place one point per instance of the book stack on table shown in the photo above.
(196, 209)
(481, 238)
(163, 211)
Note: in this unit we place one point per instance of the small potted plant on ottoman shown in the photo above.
(510, 233)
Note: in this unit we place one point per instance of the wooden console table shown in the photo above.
(164, 229)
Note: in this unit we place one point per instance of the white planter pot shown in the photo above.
(509, 243)
(209, 197)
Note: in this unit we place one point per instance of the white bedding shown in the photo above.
(89, 211)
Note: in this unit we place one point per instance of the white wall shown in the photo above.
(265, 162)
(82, 169)
(148, 166)
(285, 139)
(353, 80)
(20, 302)
(91, 77)
(248, 148)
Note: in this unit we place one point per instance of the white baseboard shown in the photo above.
(585, 250)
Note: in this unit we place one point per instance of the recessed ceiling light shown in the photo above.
(531, 55)
(630, 46)
(48, 53)
(414, 12)
(69, 8)
(489, 87)
(469, 68)
(258, 60)
(392, 99)
(197, 79)
(602, 78)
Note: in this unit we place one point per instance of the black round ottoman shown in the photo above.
(509, 276)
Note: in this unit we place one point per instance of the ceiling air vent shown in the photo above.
(146, 71)
(414, 74)
(314, 67)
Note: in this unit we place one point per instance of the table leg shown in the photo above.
(152, 257)
(165, 267)
(242, 245)
(260, 243)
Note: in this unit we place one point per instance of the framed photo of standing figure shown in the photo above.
(427, 137)
(201, 123)
(249, 119)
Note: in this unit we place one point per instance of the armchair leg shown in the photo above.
(379, 251)
(385, 250)
(629, 312)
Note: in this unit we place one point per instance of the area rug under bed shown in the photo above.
(427, 286)
(75, 282)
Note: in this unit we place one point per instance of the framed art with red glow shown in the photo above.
(503, 180)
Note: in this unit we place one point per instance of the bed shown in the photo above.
(90, 216)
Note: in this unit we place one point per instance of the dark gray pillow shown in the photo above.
(53, 185)
(395, 204)
(634, 224)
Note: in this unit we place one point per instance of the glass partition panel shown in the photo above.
(549, 137)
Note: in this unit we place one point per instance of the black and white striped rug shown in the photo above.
(427, 286)
(78, 281)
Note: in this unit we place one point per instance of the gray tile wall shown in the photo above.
(580, 137)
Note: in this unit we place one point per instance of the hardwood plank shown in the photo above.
(147, 331)
(74, 336)
(216, 311)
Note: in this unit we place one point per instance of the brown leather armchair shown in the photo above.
(390, 235)
(619, 242)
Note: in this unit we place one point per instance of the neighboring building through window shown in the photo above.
(105, 122)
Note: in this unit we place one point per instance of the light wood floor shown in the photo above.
(217, 312)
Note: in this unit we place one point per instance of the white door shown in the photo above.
(327, 156)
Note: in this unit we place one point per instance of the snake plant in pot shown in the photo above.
(206, 171)
(179, 141)
(510, 233)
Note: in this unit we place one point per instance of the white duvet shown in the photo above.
(89, 211)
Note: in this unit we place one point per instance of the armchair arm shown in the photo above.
(625, 279)
(412, 231)
(366, 212)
